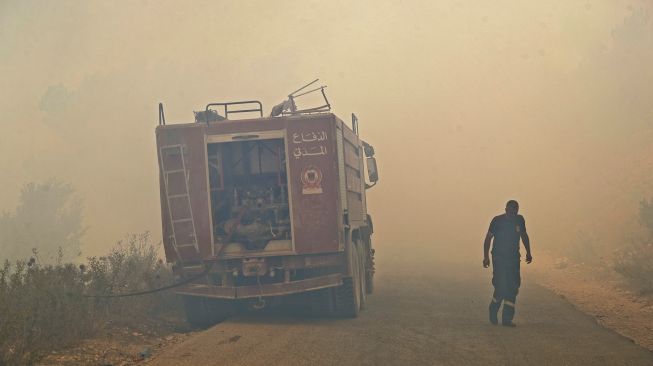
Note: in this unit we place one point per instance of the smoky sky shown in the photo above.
(468, 104)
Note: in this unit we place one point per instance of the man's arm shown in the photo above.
(486, 249)
(527, 243)
(527, 246)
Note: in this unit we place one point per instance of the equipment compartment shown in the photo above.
(248, 185)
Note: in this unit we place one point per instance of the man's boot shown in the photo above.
(494, 310)
(508, 314)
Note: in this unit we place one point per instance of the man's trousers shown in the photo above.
(506, 280)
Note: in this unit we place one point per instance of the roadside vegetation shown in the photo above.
(628, 260)
(44, 307)
(635, 261)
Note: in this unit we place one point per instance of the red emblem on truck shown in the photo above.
(311, 180)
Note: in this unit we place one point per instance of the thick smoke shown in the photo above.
(467, 105)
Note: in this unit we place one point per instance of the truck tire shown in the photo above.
(369, 283)
(362, 274)
(347, 299)
(204, 312)
(347, 296)
(369, 268)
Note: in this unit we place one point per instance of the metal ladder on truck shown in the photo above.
(175, 177)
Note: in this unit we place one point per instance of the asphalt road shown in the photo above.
(428, 314)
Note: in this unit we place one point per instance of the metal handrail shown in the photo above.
(227, 111)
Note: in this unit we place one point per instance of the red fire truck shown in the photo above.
(257, 209)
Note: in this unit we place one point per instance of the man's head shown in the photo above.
(512, 207)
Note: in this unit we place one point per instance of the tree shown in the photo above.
(48, 219)
(646, 215)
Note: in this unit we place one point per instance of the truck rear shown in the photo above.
(257, 210)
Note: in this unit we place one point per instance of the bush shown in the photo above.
(41, 308)
(635, 264)
(132, 266)
(44, 307)
(635, 261)
(646, 215)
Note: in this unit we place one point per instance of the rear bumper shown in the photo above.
(275, 289)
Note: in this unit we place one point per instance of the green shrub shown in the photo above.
(41, 308)
(646, 215)
(132, 266)
(635, 264)
(44, 307)
(635, 261)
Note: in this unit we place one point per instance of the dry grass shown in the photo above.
(44, 307)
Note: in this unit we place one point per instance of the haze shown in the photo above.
(468, 104)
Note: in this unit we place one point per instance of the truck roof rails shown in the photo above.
(226, 105)
(211, 115)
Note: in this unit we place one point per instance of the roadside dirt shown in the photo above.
(599, 292)
(120, 345)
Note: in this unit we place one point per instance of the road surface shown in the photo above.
(429, 314)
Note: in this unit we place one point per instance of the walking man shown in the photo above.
(506, 230)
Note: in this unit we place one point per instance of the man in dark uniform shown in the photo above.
(506, 230)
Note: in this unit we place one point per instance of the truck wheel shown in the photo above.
(347, 299)
(362, 275)
(369, 269)
(347, 295)
(203, 312)
(369, 283)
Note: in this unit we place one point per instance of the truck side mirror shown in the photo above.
(372, 171)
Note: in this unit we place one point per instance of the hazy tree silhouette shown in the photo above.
(646, 215)
(635, 261)
(48, 218)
